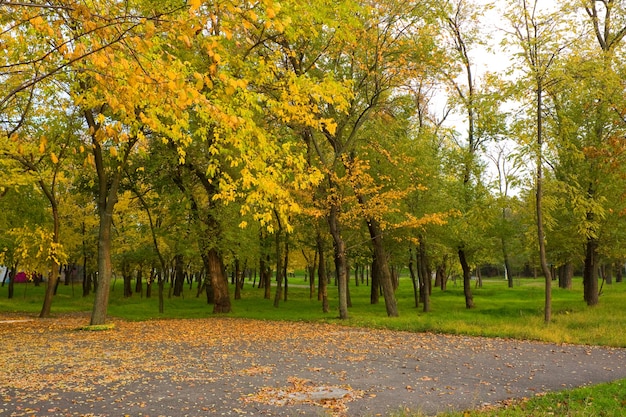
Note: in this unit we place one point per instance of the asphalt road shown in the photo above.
(236, 367)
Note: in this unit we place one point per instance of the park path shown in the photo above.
(218, 366)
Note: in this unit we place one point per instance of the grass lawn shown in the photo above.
(500, 312)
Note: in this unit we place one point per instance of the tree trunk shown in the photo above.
(107, 198)
(285, 267)
(467, 280)
(441, 274)
(340, 260)
(590, 272)
(238, 279)
(161, 277)
(126, 275)
(566, 274)
(385, 277)
(416, 295)
(375, 285)
(219, 282)
(426, 273)
(539, 208)
(101, 300)
(12, 274)
(311, 272)
(321, 274)
(265, 278)
(279, 271)
(139, 282)
(507, 263)
(179, 275)
(54, 265)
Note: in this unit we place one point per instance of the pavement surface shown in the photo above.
(233, 367)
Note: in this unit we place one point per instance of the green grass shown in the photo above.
(603, 400)
(500, 312)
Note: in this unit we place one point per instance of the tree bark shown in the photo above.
(238, 279)
(375, 284)
(414, 280)
(386, 280)
(467, 280)
(340, 261)
(219, 282)
(426, 273)
(127, 277)
(321, 274)
(139, 282)
(101, 299)
(590, 272)
(108, 186)
(279, 270)
(54, 265)
(179, 276)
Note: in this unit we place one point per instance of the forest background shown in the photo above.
(177, 139)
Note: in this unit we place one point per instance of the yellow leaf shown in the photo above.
(113, 151)
(54, 158)
(194, 5)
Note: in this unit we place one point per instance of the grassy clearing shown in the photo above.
(500, 311)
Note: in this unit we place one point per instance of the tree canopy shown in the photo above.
(159, 139)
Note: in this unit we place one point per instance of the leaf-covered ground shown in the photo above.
(218, 366)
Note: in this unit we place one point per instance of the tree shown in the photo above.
(480, 112)
(608, 20)
(538, 38)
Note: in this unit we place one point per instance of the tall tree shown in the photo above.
(479, 109)
(537, 35)
(608, 21)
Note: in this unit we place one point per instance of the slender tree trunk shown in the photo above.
(507, 263)
(279, 271)
(12, 274)
(285, 267)
(340, 261)
(264, 281)
(385, 277)
(127, 277)
(414, 279)
(267, 279)
(179, 276)
(238, 280)
(426, 272)
(162, 277)
(54, 265)
(539, 208)
(375, 285)
(139, 282)
(467, 280)
(321, 274)
(311, 271)
(590, 272)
